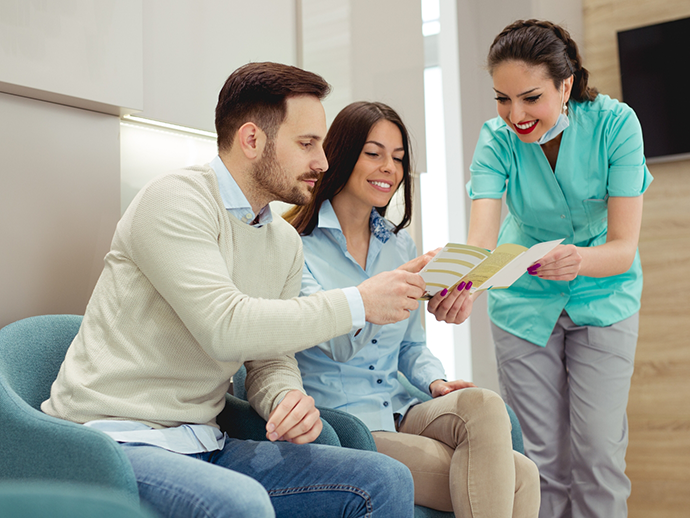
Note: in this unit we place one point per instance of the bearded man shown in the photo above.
(202, 278)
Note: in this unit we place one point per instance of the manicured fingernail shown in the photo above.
(270, 427)
(461, 286)
(534, 267)
(444, 292)
(469, 285)
(273, 436)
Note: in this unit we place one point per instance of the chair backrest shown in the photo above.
(238, 379)
(31, 352)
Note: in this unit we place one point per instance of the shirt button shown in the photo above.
(371, 367)
(379, 381)
(562, 216)
(374, 341)
(385, 403)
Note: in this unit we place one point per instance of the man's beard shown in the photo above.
(270, 176)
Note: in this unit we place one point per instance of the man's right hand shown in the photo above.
(390, 296)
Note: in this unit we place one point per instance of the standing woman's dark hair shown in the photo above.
(537, 42)
(343, 145)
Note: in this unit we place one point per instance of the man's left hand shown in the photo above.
(295, 420)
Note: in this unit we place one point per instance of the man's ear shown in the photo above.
(251, 140)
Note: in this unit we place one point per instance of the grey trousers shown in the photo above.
(570, 398)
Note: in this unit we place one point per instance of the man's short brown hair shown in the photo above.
(256, 92)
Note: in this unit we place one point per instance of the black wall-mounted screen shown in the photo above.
(655, 76)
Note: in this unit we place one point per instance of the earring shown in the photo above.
(564, 109)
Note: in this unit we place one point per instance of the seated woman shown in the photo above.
(458, 444)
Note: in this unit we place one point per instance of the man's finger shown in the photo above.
(276, 424)
(304, 427)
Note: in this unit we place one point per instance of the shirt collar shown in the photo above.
(234, 199)
(379, 226)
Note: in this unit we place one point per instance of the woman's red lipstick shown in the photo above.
(526, 131)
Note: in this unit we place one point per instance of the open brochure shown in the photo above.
(486, 269)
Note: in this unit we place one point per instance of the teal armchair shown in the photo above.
(33, 445)
(38, 448)
(62, 500)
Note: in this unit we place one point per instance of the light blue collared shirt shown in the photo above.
(186, 438)
(197, 438)
(358, 374)
(234, 199)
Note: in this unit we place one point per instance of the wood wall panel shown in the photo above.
(658, 458)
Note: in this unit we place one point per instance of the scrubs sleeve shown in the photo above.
(489, 168)
(628, 173)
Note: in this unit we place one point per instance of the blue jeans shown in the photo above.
(264, 479)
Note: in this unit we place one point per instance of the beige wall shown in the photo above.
(67, 71)
(659, 409)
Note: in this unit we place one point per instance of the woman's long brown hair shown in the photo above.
(343, 145)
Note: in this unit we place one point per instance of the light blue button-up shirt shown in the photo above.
(601, 155)
(197, 438)
(358, 374)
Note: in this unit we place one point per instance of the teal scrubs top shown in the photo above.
(601, 155)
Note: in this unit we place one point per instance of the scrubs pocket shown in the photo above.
(597, 215)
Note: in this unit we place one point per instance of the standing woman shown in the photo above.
(571, 164)
(457, 445)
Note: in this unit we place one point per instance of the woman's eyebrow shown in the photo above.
(518, 95)
(382, 146)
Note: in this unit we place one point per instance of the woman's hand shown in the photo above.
(452, 306)
(561, 264)
(441, 387)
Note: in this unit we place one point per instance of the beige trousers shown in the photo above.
(459, 450)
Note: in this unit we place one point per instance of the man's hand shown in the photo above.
(561, 264)
(441, 388)
(295, 420)
(390, 296)
(415, 265)
(452, 306)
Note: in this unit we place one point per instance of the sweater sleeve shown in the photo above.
(173, 239)
(269, 381)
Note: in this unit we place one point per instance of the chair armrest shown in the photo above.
(34, 445)
(34, 498)
(351, 431)
(240, 421)
(515, 431)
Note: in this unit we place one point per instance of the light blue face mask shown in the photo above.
(561, 123)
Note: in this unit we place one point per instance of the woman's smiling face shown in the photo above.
(526, 98)
(379, 169)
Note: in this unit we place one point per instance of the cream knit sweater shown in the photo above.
(188, 293)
